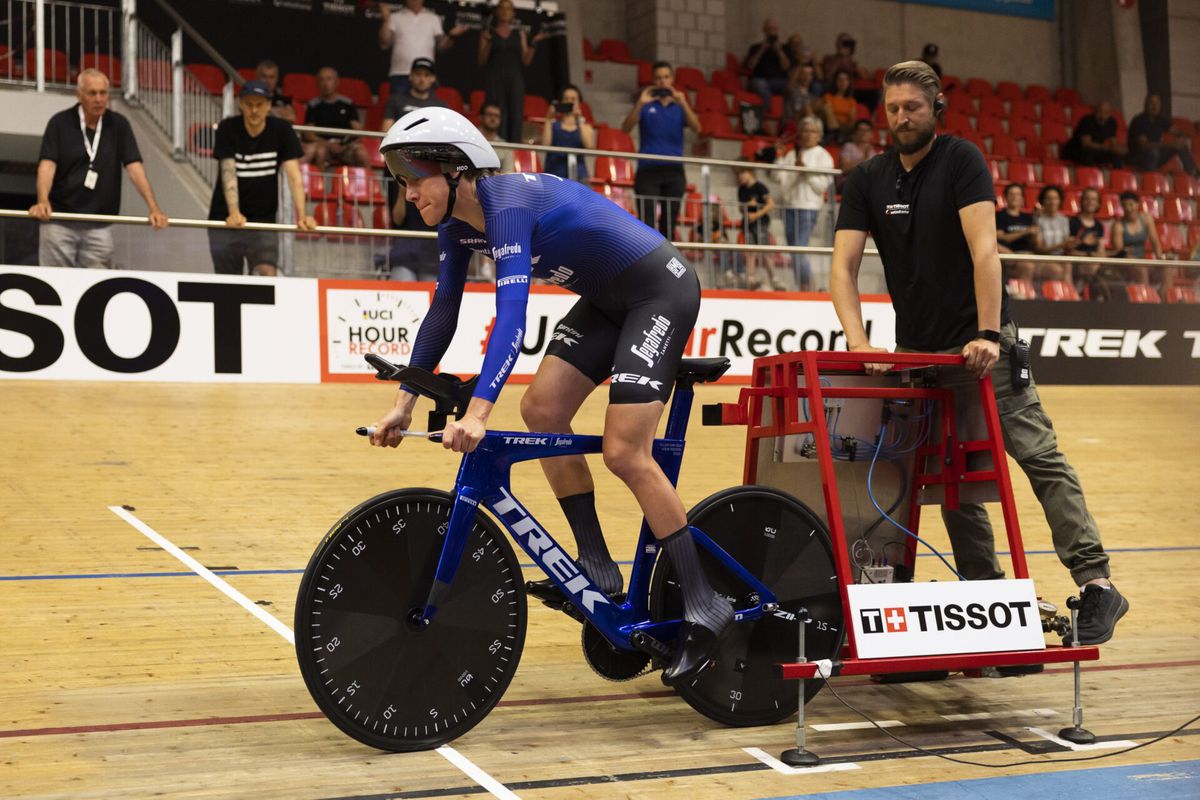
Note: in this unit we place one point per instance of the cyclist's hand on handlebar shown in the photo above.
(871, 367)
(389, 426)
(464, 435)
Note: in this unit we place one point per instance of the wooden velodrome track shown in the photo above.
(129, 676)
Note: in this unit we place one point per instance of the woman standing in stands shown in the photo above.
(840, 107)
(1053, 235)
(505, 50)
(567, 127)
(1130, 235)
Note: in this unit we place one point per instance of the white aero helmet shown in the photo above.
(429, 141)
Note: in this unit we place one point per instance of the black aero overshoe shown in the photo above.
(694, 651)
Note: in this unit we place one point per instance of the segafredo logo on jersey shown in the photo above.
(511, 279)
(506, 250)
(945, 617)
(640, 380)
(560, 275)
(546, 552)
(656, 341)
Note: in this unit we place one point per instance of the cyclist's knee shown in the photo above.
(541, 413)
(627, 460)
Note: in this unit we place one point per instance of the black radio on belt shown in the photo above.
(1018, 359)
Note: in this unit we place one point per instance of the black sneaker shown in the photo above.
(1099, 611)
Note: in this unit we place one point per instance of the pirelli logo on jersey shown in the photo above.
(511, 279)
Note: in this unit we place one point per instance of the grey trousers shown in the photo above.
(75, 244)
(1029, 438)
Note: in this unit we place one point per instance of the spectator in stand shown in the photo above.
(419, 93)
(842, 58)
(267, 71)
(332, 110)
(411, 33)
(803, 194)
(252, 149)
(803, 92)
(505, 50)
(768, 64)
(1132, 233)
(756, 204)
(1087, 234)
(490, 120)
(1147, 150)
(1053, 235)
(1094, 141)
(1015, 233)
(930, 56)
(79, 172)
(568, 128)
(860, 147)
(660, 114)
(839, 107)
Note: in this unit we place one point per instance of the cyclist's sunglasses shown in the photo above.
(405, 169)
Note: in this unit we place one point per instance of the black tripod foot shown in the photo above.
(1077, 735)
(797, 757)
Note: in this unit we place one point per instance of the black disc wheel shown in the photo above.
(786, 546)
(381, 677)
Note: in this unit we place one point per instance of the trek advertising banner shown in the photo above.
(1035, 9)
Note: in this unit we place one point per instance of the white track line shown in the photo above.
(1080, 747)
(779, 766)
(456, 758)
(857, 726)
(204, 572)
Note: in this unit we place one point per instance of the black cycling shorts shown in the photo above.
(635, 331)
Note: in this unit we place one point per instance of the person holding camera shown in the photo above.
(768, 64)
(660, 114)
(568, 128)
(929, 205)
(505, 51)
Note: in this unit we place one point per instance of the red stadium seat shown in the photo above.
(300, 109)
(751, 146)
(733, 63)
(1122, 180)
(1056, 174)
(1036, 93)
(978, 87)
(692, 210)
(1051, 110)
(57, 68)
(250, 73)
(614, 171)
(992, 106)
(359, 92)
(526, 161)
(1022, 172)
(623, 196)
(316, 188)
(717, 126)
(1067, 96)
(371, 145)
(1077, 112)
(476, 100)
(1055, 131)
(1142, 293)
(211, 78)
(373, 117)
(1177, 210)
(109, 65)
(689, 78)
(974, 138)
(710, 98)
(1152, 206)
(1182, 294)
(450, 96)
(991, 126)
(776, 109)
(1019, 128)
(1186, 186)
(645, 73)
(614, 139)
(1039, 150)
(384, 92)
(1060, 290)
(589, 52)
(300, 86)
(1070, 203)
(360, 185)
(615, 50)
(726, 81)
(1089, 177)
(154, 75)
(1004, 146)
(1110, 205)
(1021, 289)
(381, 217)
(1155, 183)
(1007, 90)
(954, 121)
(1172, 237)
(1022, 109)
(536, 107)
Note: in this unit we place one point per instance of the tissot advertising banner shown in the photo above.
(1037, 9)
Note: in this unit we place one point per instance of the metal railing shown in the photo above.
(46, 42)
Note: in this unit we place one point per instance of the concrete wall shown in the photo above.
(1185, 58)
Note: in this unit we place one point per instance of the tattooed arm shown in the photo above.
(229, 187)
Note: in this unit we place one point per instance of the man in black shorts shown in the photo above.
(929, 204)
(251, 149)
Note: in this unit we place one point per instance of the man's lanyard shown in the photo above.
(93, 146)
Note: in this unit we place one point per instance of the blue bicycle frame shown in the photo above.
(483, 477)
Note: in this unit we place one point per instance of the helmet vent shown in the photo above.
(415, 123)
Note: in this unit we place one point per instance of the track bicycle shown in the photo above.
(411, 615)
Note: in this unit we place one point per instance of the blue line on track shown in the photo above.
(100, 575)
(1163, 781)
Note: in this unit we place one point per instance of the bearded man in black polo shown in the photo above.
(929, 204)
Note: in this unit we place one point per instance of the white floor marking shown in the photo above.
(779, 766)
(1045, 713)
(456, 758)
(1071, 745)
(857, 726)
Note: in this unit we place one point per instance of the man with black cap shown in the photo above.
(252, 149)
(421, 78)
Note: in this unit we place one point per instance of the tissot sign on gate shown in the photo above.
(81, 324)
